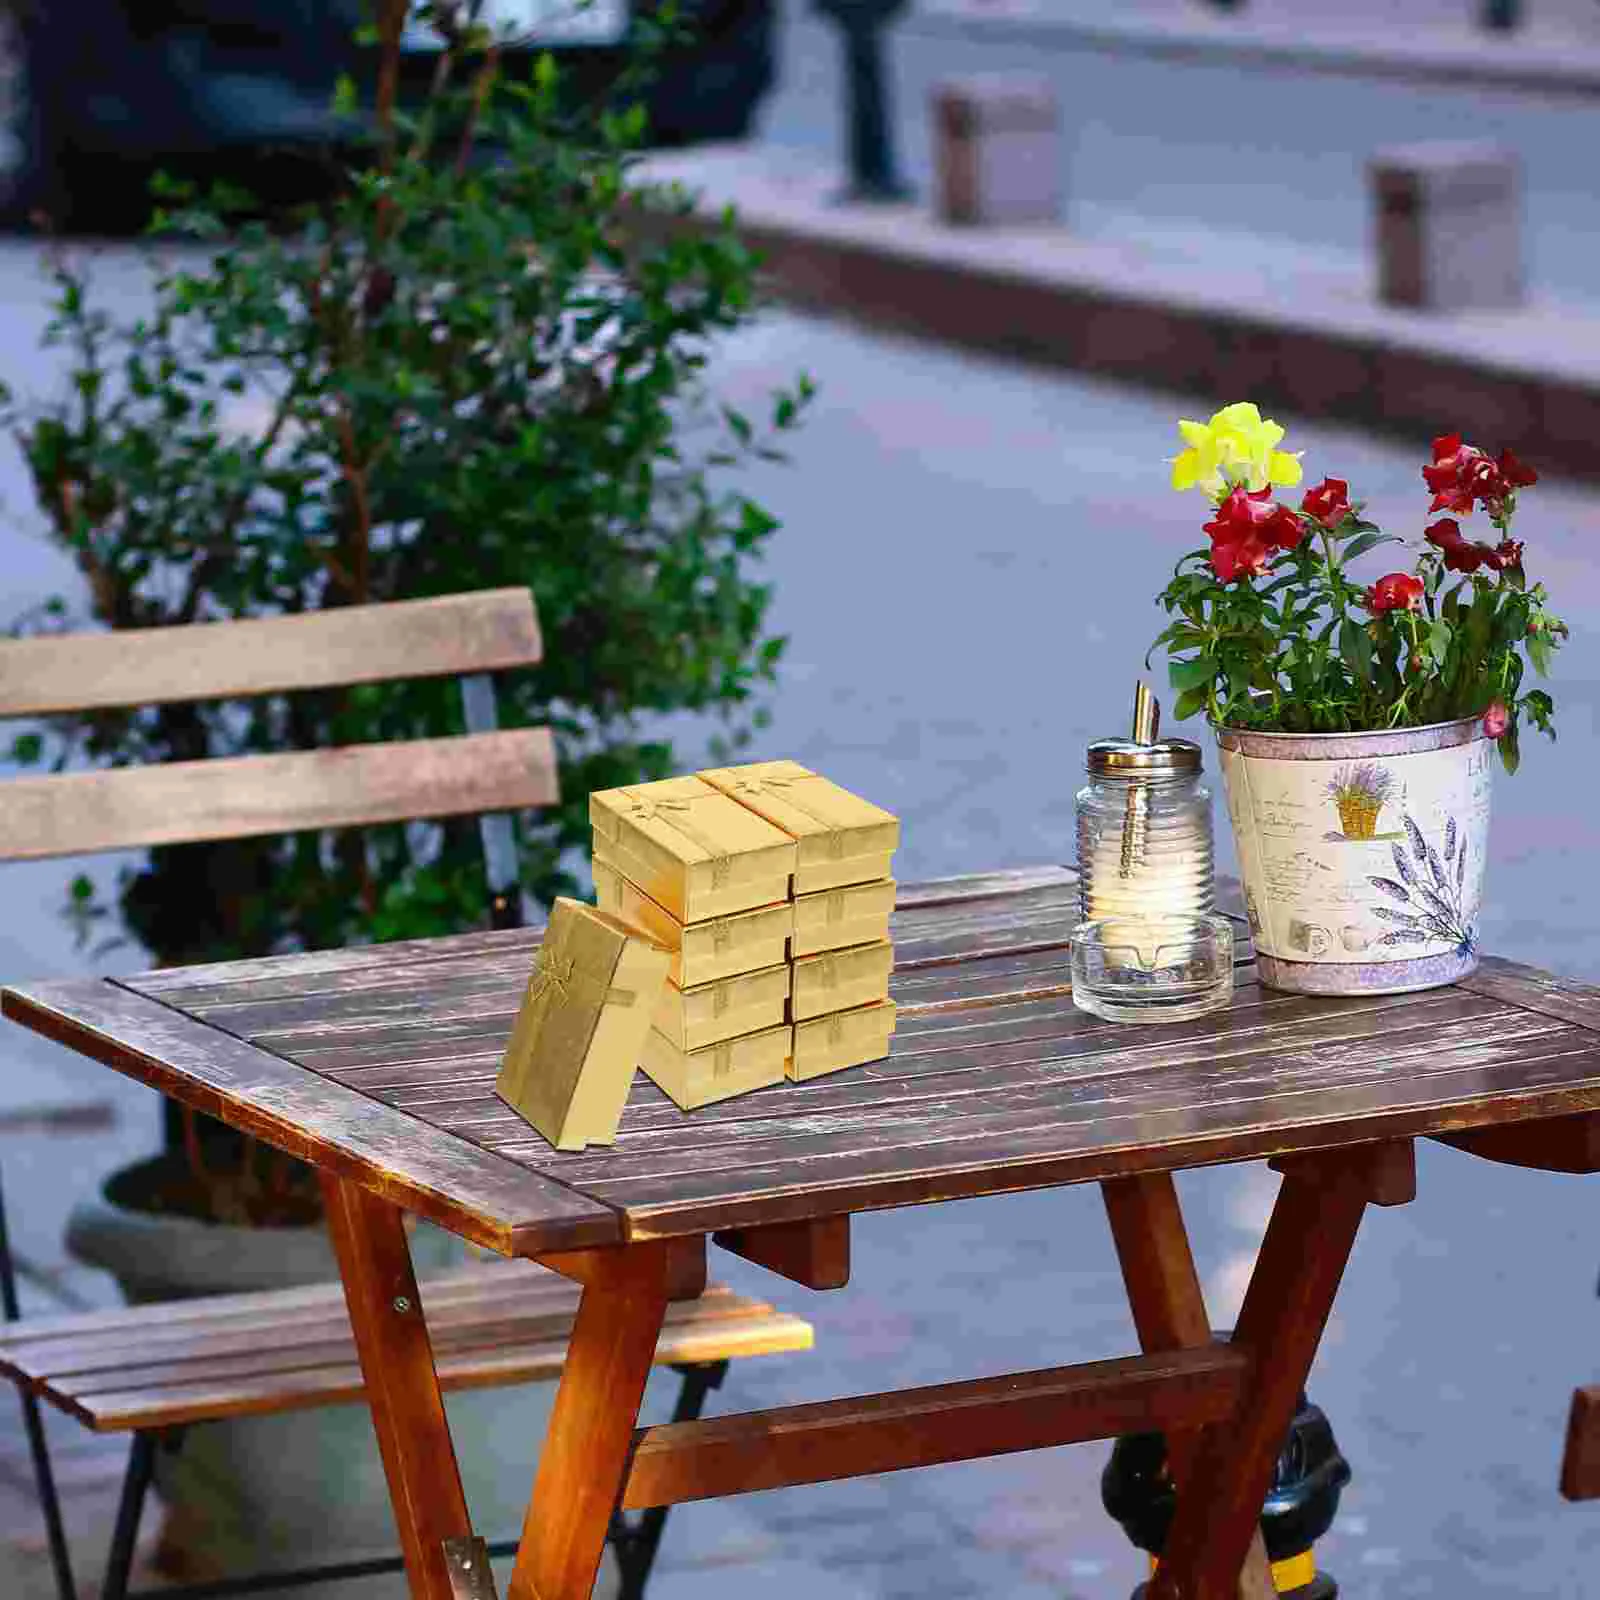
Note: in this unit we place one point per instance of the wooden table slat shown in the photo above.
(450, 1181)
(1533, 990)
(1016, 1151)
(992, 1067)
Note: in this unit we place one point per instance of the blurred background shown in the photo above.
(975, 517)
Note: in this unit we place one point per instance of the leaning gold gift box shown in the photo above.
(841, 1039)
(838, 980)
(719, 1071)
(841, 838)
(702, 952)
(695, 851)
(833, 919)
(584, 1017)
(692, 1018)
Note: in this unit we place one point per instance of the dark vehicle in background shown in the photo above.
(98, 94)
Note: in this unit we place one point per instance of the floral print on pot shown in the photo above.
(1362, 854)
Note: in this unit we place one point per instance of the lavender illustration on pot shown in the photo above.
(1428, 892)
(1358, 792)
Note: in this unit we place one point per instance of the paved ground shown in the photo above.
(1216, 144)
(964, 573)
(965, 570)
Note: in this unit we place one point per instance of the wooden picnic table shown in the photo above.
(377, 1065)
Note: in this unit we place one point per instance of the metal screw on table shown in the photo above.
(401, 1304)
(874, 174)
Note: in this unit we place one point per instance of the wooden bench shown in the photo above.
(154, 1370)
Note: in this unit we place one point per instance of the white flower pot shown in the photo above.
(1362, 854)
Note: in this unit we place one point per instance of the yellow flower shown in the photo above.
(1237, 446)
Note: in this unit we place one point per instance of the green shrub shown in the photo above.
(478, 362)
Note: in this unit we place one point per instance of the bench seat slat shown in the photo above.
(451, 1297)
(109, 1364)
(113, 1412)
(177, 1362)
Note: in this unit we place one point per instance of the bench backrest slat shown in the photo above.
(181, 802)
(488, 631)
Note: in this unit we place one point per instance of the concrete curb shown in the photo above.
(1540, 66)
(1287, 329)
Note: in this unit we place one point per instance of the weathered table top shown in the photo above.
(379, 1063)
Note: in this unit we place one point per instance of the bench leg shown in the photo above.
(1308, 1241)
(44, 1477)
(636, 1542)
(1169, 1311)
(408, 1415)
(587, 1449)
(130, 1508)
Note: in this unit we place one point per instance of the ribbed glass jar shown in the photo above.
(1144, 832)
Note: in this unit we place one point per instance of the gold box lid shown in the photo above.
(826, 821)
(692, 848)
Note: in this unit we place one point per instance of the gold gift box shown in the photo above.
(841, 1039)
(719, 1071)
(838, 980)
(841, 838)
(693, 1018)
(695, 851)
(584, 1017)
(834, 919)
(702, 952)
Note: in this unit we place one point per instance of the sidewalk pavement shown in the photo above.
(1213, 238)
(1177, 309)
(1555, 51)
(968, 549)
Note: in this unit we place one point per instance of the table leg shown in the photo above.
(587, 1448)
(408, 1414)
(1169, 1311)
(1286, 1307)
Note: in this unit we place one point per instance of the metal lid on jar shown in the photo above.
(1130, 758)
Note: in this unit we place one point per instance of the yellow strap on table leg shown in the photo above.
(1294, 1572)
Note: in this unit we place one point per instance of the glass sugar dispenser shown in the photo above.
(1150, 946)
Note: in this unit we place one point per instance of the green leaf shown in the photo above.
(1355, 647)
(1195, 674)
(26, 749)
(1364, 542)
(1511, 749)
(1440, 634)
(1188, 704)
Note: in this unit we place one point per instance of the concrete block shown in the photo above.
(997, 156)
(1448, 225)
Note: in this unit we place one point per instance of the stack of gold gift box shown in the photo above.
(771, 888)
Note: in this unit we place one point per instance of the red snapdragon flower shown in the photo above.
(1496, 719)
(1329, 502)
(1461, 475)
(1248, 530)
(1514, 473)
(1397, 592)
(1468, 555)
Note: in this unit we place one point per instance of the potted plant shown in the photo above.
(467, 366)
(1356, 722)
